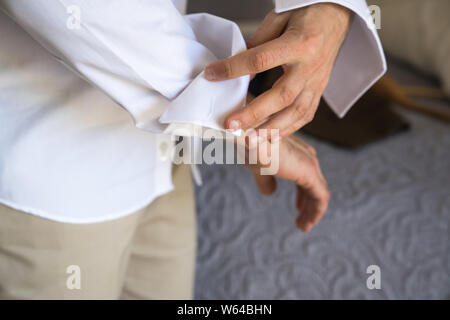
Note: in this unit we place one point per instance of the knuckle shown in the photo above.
(261, 61)
(299, 112)
(303, 43)
(228, 69)
(287, 95)
(307, 117)
(284, 49)
(254, 114)
(293, 36)
(271, 17)
(310, 117)
(311, 43)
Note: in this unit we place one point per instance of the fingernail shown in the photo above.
(234, 125)
(210, 74)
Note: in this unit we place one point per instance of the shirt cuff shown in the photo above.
(360, 62)
(204, 104)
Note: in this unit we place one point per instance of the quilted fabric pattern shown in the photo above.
(390, 207)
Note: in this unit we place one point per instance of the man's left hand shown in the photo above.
(305, 42)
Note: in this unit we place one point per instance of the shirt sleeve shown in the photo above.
(360, 62)
(144, 54)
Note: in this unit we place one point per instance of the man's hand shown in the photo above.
(298, 162)
(305, 42)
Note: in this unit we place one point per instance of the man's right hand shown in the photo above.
(298, 162)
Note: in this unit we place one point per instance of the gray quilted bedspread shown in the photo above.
(390, 207)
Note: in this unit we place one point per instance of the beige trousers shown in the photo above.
(147, 255)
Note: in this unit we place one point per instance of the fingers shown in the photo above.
(299, 164)
(312, 152)
(266, 184)
(295, 116)
(303, 109)
(311, 212)
(312, 198)
(271, 28)
(304, 221)
(282, 50)
(308, 116)
(283, 94)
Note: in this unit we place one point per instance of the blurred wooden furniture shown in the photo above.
(402, 96)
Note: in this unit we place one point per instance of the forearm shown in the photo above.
(360, 62)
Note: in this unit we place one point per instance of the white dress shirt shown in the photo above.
(89, 90)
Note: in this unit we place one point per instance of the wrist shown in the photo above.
(337, 16)
(341, 15)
